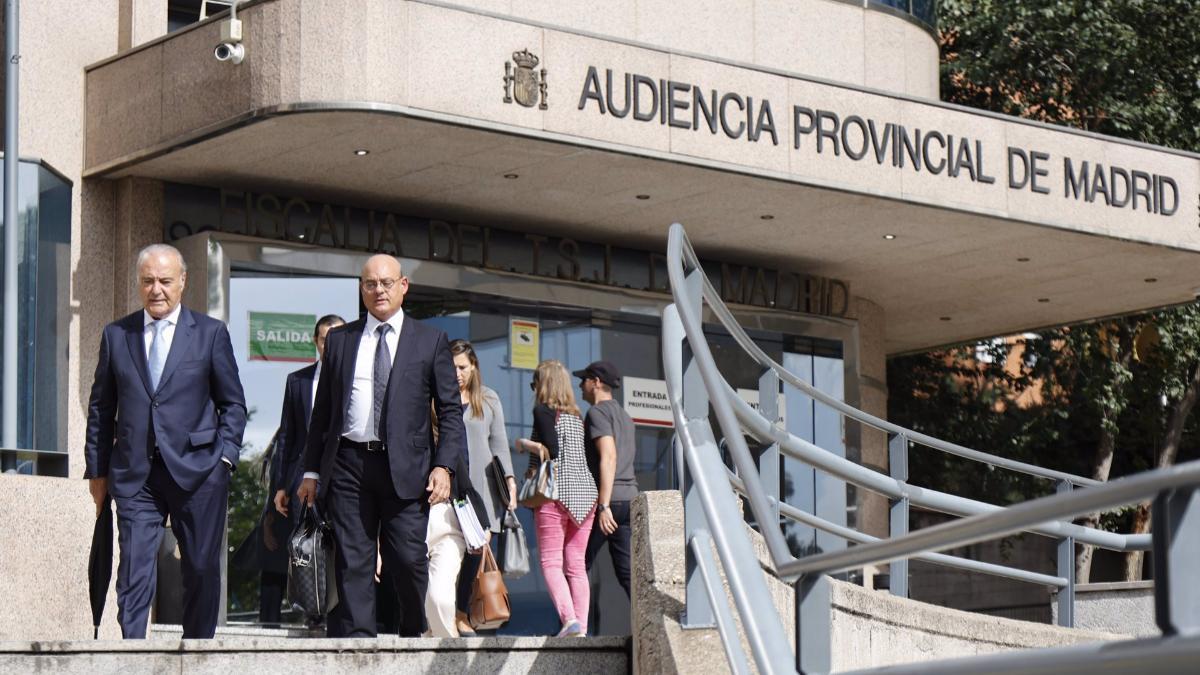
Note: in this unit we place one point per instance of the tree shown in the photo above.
(1125, 68)
(1173, 357)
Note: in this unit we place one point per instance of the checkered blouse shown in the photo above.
(562, 434)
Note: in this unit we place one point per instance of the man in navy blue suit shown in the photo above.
(298, 394)
(371, 457)
(165, 423)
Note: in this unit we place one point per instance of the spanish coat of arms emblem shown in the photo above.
(524, 83)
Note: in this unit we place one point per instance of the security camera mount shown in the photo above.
(230, 47)
(231, 30)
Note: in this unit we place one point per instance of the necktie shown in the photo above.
(158, 351)
(382, 370)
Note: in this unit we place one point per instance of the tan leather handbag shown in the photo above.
(489, 597)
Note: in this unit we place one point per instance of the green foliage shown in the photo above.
(247, 493)
(1125, 68)
(960, 397)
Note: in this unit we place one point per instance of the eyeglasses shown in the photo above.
(371, 284)
(533, 386)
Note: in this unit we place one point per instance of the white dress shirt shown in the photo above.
(168, 331)
(168, 335)
(359, 424)
(316, 378)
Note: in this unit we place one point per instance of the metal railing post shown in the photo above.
(768, 463)
(1066, 570)
(9, 344)
(1175, 526)
(814, 638)
(899, 511)
(698, 612)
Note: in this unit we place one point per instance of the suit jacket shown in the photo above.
(195, 417)
(288, 459)
(422, 372)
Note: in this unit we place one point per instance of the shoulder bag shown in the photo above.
(489, 597)
(514, 550)
(539, 486)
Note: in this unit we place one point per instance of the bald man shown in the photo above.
(164, 431)
(371, 458)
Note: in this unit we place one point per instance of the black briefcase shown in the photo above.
(310, 587)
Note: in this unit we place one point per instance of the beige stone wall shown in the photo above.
(446, 64)
(869, 629)
(139, 223)
(827, 39)
(872, 392)
(46, 531)
(140, 21)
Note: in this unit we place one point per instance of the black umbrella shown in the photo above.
(100, 563)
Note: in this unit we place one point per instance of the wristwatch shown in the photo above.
(601, 507)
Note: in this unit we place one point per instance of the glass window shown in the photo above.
(575, 335)
(922, 10)
(43, 315)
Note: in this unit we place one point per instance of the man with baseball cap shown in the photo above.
(609, 433)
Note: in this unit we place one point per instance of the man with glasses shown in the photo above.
(371, 457)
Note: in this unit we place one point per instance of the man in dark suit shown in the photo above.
(298, 395)
(165, 423)
(371, 456)
(286, 461)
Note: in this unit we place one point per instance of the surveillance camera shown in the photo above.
(230, 51)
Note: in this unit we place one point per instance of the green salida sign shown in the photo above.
(282, 337)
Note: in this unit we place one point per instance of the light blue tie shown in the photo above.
(158, 351)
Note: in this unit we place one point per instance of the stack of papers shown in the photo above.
(468, 522)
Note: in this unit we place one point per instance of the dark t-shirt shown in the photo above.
(608, 418)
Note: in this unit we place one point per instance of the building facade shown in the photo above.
(524, 160)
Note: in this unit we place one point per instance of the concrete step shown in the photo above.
(266, 654)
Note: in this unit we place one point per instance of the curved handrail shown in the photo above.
(689, 317)
(765, 634)
(1010, 520)
(680, 256)
(711, 508)
(678, 238)
(852, 535)
(874, 481)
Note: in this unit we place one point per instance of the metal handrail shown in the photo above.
(806, 452)
(1013, 519)
(710, 510)
(725, 317)
(796, 515)
(679, 252)
(765, 634)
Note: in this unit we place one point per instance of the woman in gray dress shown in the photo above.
(487, 443)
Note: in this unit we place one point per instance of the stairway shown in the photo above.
(264, 651)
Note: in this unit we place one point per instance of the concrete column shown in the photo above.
(92, 302)
(872, 389)
(140, 21)
(139, 223)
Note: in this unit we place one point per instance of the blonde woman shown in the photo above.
(563, 525)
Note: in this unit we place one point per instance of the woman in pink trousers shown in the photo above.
(563, 525)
